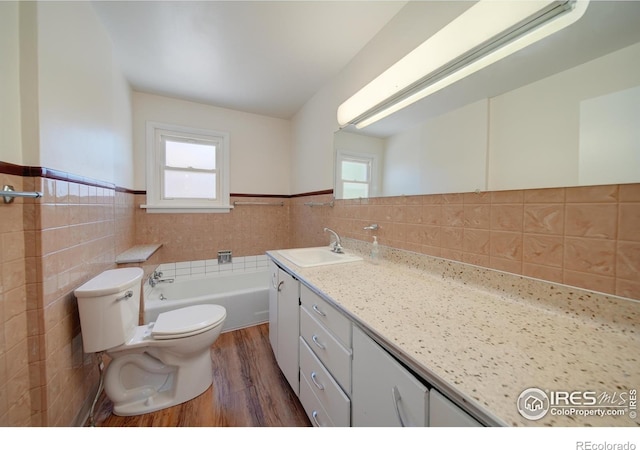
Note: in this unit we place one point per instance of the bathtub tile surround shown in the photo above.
(211, 267)
(245, 230)
(241, 287)
(207, 268)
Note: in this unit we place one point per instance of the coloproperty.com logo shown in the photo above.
(534, 403)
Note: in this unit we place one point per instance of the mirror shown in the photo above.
(562, 112)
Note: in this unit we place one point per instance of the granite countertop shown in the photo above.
(483, 336)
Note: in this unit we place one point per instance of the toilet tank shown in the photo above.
(109, 307)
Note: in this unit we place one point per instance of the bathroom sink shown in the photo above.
(316, 256)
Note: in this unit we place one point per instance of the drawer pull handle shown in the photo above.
(317, 310)
(314, 338)
(280, 286)
(274, 278)
(315, 381)
(314, 414)
(396, 398)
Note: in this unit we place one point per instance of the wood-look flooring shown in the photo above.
(248, 390)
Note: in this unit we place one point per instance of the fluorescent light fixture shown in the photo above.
(485, 33)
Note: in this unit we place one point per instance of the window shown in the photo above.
(187, 169)
(356, 174)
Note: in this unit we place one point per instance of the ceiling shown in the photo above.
(264, 57)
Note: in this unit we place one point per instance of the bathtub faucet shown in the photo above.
(337, 245)
(153, 280)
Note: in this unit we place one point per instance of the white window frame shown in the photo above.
(155, 165)
(374, 164)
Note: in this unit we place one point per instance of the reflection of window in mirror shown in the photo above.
(356, 175)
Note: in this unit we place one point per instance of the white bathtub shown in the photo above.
(245, 295)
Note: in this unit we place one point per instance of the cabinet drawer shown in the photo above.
(327, 348)
(327, 315)
(325, 388)
(312, 406)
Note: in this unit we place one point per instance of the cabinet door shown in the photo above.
(288, 327)
(444, 413)
(384, 393)
(273, 306)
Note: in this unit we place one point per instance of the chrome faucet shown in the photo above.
(155, 279)
(336, 246)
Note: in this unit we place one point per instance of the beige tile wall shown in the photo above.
(70, 235)
(247, 230)
(584, 236)
(15, 398)
(587, 237)
(75, 240)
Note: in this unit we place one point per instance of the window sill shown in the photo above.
(164, 209)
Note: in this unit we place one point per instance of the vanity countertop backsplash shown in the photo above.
(484, 336)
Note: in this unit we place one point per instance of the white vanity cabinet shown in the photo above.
(384, 393)
(284, 322)
(341, 375)
(444, 413)
(325, 361)
(273, 306)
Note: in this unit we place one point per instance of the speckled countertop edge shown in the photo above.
(484, 336)
(139, 253)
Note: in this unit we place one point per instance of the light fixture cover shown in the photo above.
(485, 33)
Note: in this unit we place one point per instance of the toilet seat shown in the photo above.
(187, 321)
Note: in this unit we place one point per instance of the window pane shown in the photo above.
(186, 184)
(190, 154)
(355, 171)
(355, 190)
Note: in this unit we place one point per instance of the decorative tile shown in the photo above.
(595, 256)
(544, 218)
(591, 220)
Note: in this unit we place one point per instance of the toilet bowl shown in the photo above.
(153, 366)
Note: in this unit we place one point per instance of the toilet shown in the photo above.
(153, 366)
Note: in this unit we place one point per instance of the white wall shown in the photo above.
(83, 101)
(447, 153)
(10, 139)
(259, 145)
(316, 122)
(312, 151)
(611, 123)
(535, 130)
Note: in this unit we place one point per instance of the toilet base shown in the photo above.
(140, 384)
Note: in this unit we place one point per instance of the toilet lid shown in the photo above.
(188, 321)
